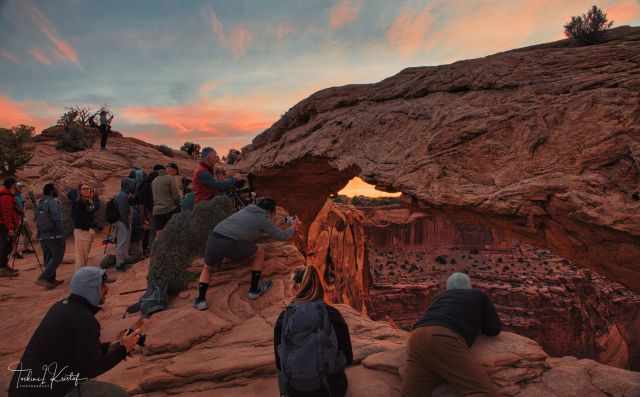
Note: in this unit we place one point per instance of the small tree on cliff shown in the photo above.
(192, 149)
(587, 28)
(15, 148)
(76, 114)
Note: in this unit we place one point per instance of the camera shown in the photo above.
(289, 219)
(141, 340)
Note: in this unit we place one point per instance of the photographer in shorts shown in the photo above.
(65, 351)
(235, 238)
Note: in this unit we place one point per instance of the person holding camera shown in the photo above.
(235, 238)
(84, 205)
(9, 223)
(206, 185)
(65, 352)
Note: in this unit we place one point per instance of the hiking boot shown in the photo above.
(110, 280)
(263, 286)
(200, 304)
(6, 272)
(48, 284)
(58, 282)
(121, 268)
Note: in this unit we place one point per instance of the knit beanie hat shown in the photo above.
(87, 283)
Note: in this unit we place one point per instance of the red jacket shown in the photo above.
(205, 184)
(9, 216)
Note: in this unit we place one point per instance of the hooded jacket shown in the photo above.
(83, 212)
(67, 341)
(250, 224)
(9, 216)
(49, 206)
(127, 187)
(206, 186)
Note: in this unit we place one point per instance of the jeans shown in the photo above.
(5, 246)
(53, 250)
(123, 242)
(94, 388)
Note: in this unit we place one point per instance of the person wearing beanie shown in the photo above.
(205, 183)
(439, 346)
(235, 238)
(66, 345)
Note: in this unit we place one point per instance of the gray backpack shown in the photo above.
(308, 348)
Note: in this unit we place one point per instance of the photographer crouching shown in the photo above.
(65, 351)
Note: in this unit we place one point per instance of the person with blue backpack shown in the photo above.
(311, 342)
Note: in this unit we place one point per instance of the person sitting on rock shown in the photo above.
(51, 235)
(310, 335)
(205, 184)
(235, 238)
(84, 206)
(439, 346)
(9, 224)
(65, 351)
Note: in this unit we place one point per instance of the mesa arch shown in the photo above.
(541, 142)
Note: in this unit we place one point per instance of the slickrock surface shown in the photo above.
(542, 142)
(390, 262)
(228, 351)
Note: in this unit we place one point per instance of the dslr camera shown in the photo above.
(290, 219)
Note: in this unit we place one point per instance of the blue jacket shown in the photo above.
(50, 208)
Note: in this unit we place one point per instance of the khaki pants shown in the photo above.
(436, 355)
(83, 239)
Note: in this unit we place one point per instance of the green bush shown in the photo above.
(15, 148)
(75, 138)
(587, 28)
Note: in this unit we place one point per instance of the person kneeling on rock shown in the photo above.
(311, 342)
(439, 346)
(235, 238)
(65, 351)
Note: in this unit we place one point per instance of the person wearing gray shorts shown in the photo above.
(235, 238)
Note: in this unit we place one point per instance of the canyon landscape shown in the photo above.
(521, 169)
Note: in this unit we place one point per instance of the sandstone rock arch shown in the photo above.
(541, 142)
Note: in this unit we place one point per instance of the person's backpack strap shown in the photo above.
(283, 381)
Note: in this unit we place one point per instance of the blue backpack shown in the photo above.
(308, 348)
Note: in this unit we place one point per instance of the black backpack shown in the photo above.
(112, 213)
(308, 348)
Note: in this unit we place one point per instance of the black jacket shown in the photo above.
(338, 382)
(466, 312)
(83, 213)
(67, 341)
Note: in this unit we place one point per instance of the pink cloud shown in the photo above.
(37, 114)
(237, 40)
(284, 29)
(344, 12)
(209, 118)
(62, 48)
(40, 56)
(624, 12)
(408, 32)
(4, 54)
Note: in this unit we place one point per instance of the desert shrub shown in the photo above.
(15, 148)
(587, 28)
(75, 138)
(166, 150)
(192, 149)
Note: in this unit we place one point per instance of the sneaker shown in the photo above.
(110, 280)
(200, 304)
(58, 282)
(43, 282)
(7, 272)
(263, 286)
(121, 268)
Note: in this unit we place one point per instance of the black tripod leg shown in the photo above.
(33, 248)
(15, 249)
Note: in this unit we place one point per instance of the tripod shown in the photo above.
(27, 236)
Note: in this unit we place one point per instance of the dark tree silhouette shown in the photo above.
(15, 148)
(587, 28)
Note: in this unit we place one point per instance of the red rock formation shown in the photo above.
(391, 262)
(542, 143)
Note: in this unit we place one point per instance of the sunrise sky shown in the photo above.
(219, 72)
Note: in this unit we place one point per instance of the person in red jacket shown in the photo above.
(9, 223)
(205, 184)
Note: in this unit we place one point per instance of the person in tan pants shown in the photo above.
(439, 346)
(84, 205)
